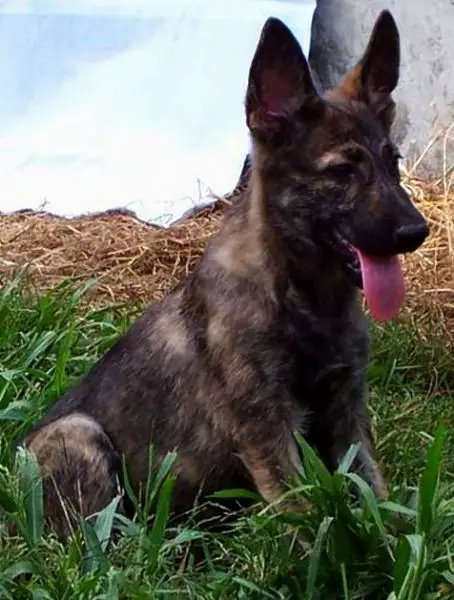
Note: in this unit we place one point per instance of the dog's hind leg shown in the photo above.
(79, 467)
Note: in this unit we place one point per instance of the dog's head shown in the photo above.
(329, 169)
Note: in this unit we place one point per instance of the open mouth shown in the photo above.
(349, 257)
(381, 278)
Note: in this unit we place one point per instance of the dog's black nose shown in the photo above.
(409, 238)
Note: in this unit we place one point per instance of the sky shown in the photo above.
(127, 103)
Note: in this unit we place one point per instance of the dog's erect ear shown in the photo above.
(280, 82)
(376, 75)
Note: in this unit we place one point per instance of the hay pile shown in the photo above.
(430, 271)
(133, 260)
(139, 262)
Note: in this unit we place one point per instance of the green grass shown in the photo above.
(401, 549)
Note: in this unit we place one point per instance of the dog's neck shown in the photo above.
(252, 246)
(300, 262)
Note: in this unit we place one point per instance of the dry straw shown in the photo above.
(139, 262)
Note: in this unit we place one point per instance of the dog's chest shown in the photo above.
(324, 356)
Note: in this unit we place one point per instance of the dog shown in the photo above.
(267, 335)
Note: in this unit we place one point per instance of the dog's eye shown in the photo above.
(341, 170)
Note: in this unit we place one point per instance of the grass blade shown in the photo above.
(94, 558)
(32, 488)
(370, 500)
(252, 587)
(314, 467)
(314, 560)
(7, 502)
(20, 568)
(127, 485)
(347, 461)
(402, 564)
(163, 472)
(157, 534)
(104, 523)
(409, 567)
(429, 485)
(236, 493)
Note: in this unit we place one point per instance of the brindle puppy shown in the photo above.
(267, 335)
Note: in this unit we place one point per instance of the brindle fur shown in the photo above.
(266, 336)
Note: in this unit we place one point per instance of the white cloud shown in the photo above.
(141, 128)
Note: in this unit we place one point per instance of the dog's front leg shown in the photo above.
(366, 463)
(354, 427)
(271, 467)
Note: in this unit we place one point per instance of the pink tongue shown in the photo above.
(383, 284)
